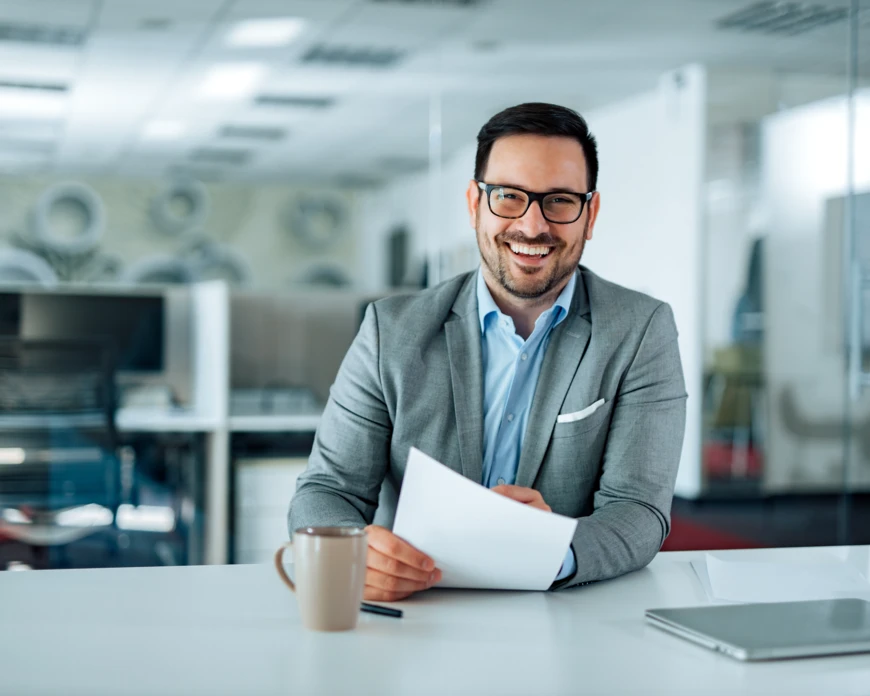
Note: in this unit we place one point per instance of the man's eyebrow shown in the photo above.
(565, 189)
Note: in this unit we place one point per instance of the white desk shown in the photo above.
(235, 630)
(155, 420)
(271, 423)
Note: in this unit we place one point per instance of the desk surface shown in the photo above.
(235, 630)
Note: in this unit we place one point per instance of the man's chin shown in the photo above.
(526, 290)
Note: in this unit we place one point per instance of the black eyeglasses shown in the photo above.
(560, 207)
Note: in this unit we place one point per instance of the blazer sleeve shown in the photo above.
(631, 508)
(349, 458)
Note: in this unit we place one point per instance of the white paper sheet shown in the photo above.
(479, 539)
(778, 581)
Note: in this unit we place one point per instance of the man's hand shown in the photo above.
(529, 496)
(395, 569)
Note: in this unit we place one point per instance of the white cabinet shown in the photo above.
(263, 489)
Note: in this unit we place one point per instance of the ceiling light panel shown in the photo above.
(42, 34)
(26, 103)
(218, 155)
(430, 3)
(294, 101)
(157, 24)
(34, 86)
(74, 13)
(232, 81)
(265, 33)
(783, 18)
(347, 56)
(241, 132)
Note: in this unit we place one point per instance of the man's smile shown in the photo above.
(528, 255)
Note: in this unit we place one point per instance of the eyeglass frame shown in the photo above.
(539, 197)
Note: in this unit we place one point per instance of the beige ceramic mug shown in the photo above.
(330, 572)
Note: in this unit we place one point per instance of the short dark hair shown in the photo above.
(538, 119)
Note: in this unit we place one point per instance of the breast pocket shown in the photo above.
(592, 422)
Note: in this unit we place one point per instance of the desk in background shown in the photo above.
(236, 630)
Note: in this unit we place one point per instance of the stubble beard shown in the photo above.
(498, 263)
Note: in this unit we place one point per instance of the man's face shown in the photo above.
(539, 164)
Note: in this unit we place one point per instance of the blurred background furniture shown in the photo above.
(59, 468)
(734, 393)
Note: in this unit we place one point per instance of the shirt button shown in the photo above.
(525, 356)
(510, 416)
(500, 482)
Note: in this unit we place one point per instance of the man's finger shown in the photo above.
(375, 594)
(540, 505)
(390, 545)
(393, 566)
(518, 493)
(391, 583)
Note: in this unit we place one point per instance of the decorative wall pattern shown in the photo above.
(129, 231)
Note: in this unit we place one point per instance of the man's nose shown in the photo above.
(534, 222)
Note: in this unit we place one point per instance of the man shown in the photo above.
(532, 376)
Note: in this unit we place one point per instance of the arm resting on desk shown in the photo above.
(349, 459)
(632, 505)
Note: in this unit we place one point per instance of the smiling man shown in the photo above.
(531, 376)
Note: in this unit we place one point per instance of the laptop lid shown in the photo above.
(773, 631)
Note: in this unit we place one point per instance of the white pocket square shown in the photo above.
(580, 415)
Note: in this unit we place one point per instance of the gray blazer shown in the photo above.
(414, 377)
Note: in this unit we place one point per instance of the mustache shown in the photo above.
(518, 238)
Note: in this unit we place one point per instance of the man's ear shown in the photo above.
(472, 196)
(594, 206)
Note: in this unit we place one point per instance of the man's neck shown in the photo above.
(524, 311)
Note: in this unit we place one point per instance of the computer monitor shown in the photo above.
(134, 324)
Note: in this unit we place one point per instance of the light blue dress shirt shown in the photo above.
(510, 373)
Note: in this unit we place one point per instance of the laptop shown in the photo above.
(772, 631)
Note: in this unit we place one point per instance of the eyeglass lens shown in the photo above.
(513, 203)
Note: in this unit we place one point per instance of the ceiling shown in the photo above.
(123, 88)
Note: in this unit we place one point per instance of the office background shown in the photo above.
(240, 177)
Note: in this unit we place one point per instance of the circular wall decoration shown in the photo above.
(223, 263)
(20, 266)
(315, 221)
(326, 276)
(68, 218)
(180, 207)
(159, 270)
(209, 260)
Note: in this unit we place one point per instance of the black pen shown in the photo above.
(384, 611)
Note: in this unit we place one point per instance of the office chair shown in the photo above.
(59, 470)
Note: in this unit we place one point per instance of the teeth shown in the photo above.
(529, 251)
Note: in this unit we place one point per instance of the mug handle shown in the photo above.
(279, 566)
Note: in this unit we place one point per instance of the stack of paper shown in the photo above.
(479, 539)
(754, 581)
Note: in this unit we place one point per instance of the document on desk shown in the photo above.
(479, 539)
(782, 581)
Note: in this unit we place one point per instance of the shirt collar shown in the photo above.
(486, 306)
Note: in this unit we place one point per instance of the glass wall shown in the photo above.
(784, 448)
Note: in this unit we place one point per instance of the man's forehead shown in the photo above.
(554, 158)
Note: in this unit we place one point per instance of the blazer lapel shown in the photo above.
(466, 375)
(566, 348)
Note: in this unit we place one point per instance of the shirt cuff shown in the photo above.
(569, 565)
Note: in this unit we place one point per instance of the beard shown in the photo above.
(529, 283)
